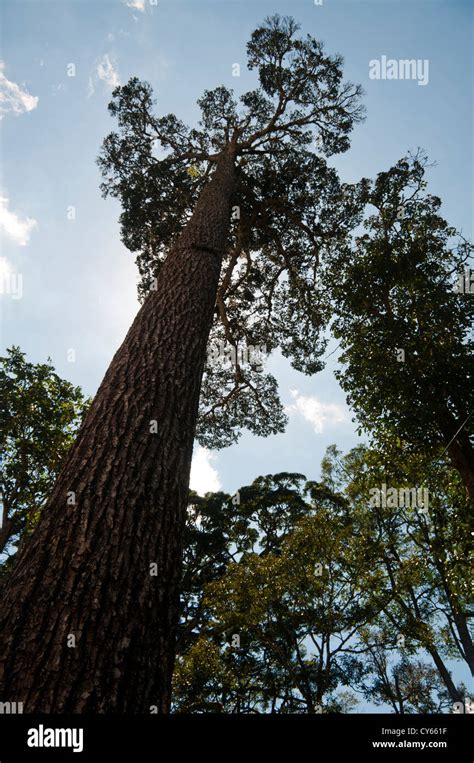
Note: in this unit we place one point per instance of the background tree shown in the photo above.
(409, 686)
(117, 512)
(220, 528)
(299, 596)
(40, 414)
(407, 367)
(422, 558)
(406, 334)
(277, 618)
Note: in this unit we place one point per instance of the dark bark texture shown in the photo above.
(459, 450)
(462, 458)
(85, 572)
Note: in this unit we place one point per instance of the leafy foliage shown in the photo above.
(298, 596)
(39, 417)
(422, 559)
(393, 291)
(288, 206)
(285, 579)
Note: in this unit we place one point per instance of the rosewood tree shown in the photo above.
(228, 220)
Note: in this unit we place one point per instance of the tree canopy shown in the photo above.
(299, 596)
(404, 330)
(288, 205)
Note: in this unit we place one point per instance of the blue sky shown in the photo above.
(79, 282)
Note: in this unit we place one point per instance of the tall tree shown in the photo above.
(101, 570)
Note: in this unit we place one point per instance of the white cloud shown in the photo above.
(14, 100)
(138, 5)
(107, 72)
(204, 477)
(317, 413)
(13, 226)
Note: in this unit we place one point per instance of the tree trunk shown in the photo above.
(5, 535)
(462, 627)
(460, 451)
(7, 526)
(462, 458)
(444, 674)
(119, 505)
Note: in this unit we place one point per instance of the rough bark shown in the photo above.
(85, 572)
